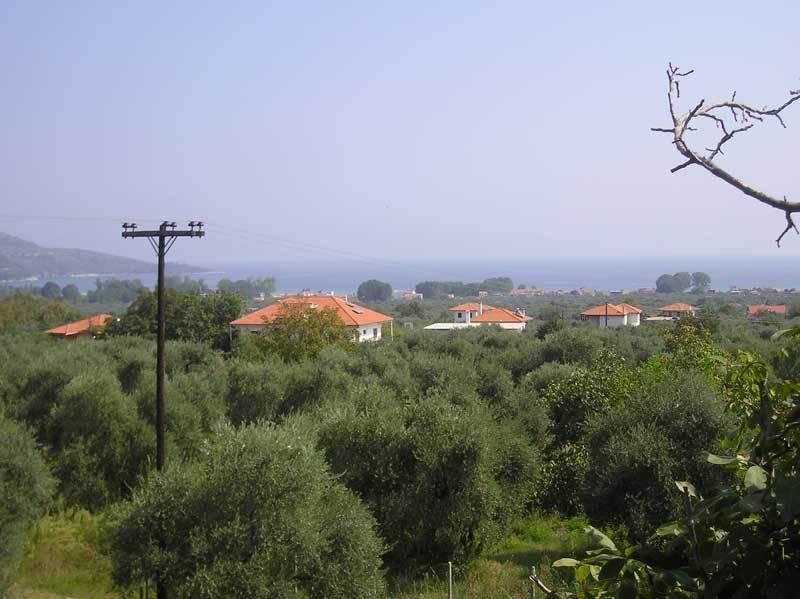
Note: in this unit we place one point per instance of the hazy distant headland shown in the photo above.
(21, 259)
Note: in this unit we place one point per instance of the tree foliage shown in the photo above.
(25, 491)
(701, 280)
(71, 293)
(189, 317)
(667, 283)
(51, 290)
(741, 539)
(248, 288)
(298, 332)
(114, 291)
(26, 313)
(443, 480)
(374, 291)
(258, 515)
(440, 289)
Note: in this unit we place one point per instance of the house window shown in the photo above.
(460, 315)
(375, 333)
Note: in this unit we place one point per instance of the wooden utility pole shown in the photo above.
(161, 241)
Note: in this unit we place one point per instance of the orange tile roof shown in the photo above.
(349, 313)
(679, 307)
(80, 326)
(756, 309)
(613, 310)
(471, 307)
(500, 315)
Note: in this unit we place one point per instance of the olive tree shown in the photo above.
(25, 490)
(258, 515)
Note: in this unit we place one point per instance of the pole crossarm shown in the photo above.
(159, 233)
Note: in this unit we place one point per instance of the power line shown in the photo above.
(255, 239)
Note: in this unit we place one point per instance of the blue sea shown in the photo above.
(600, 273)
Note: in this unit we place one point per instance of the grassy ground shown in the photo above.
(62, 561)
(502, 572)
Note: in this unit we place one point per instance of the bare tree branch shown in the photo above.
(789, 225)
(745, 116)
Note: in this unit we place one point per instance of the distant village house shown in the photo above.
(613, 315)
(366, 324)
(677, 310)
(480, 314)
(756, 310)
(81, 329)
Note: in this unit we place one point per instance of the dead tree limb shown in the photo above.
(731, 118)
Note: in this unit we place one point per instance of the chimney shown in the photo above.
(480, 308)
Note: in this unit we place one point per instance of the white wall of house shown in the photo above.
(613, 321)
(512, 326)
(369, 332)
(630, 320)
(465, 316)
(675, 314)
(365, 332)
(248, 328)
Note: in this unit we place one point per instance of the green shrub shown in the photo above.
(587, 391)
(443, 480)
(259, 515)
(641, 445)
(255, 390)
(101, 445)
(25, 490)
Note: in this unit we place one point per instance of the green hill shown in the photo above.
(21, 259)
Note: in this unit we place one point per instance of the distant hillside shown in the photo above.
(20, 259)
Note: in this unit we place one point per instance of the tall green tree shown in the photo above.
(298, 332)
(684, 280)
(189, 316)
(701, 280)
(51, 290)
(71, 293)
(667, 283)
(374, 291)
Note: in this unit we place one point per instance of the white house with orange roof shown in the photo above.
(503, 318)
(366, 324)
(677, 310)
(613, 315)
(479, 314)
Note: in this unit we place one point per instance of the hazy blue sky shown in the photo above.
(405, 129)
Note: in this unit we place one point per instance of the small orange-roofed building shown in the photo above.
(81, 329)
(475, 314)
(613, 315)
(756, 310)
(677, 310)
(504, 318)
(367, 324)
